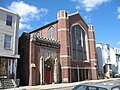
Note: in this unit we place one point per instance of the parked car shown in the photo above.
(99, 86)
(117, 76)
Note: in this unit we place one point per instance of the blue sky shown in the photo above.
(103, 14)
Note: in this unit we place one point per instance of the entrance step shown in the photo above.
(7, 83)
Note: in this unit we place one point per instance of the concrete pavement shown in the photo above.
(60, 85)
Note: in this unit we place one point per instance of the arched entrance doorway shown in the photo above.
(48, 67)
(49, 70)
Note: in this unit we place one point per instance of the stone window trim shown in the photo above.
(51, 33)
(86, 40)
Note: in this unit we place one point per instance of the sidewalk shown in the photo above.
(51, 86)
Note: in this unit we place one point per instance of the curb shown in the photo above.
(60, 85)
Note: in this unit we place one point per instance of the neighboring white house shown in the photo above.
(103, 55)
(115, 58)
(9, 25)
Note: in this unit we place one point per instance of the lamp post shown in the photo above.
(78, 73)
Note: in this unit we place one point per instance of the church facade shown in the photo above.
(62, 51)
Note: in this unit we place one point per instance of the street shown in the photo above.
(65, 86)
(70, 87)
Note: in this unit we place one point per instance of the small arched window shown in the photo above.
(51, 33)
(78, 36)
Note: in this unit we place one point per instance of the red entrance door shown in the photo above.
(48, 76)
(48, 72)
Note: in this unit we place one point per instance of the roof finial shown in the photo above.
(77, 8)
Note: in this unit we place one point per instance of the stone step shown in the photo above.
(7, 83)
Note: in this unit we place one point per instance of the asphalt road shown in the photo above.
(70, 88)
(66, 88)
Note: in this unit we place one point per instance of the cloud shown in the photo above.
(45, 23)
(25, 26)
(77, 7)
(89, 5)
(118, 43)
(118, 10)
(87, 19)
(27, 13)
(73, 0)
(118, 16)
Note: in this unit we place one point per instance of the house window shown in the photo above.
(9, 20)
(78, 43)
(7, 41)
(51, 33)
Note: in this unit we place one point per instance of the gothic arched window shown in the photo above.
(78, 38)
(51, 33)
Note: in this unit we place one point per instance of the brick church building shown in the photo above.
(61, 51)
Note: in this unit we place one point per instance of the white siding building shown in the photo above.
(9, 25)
(103, 55)
(115, 58)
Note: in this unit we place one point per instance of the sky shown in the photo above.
(103, 14)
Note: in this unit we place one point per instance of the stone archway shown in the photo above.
(48, 70)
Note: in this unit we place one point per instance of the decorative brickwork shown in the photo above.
(67, 57)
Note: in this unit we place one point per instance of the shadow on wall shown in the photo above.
(100, 60)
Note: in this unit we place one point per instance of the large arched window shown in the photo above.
(51, 33)
(78, 37)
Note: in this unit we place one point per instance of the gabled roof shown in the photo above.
(77, 13)
(70, 15)
(73, 13)
(9, 11)
(44, 26)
